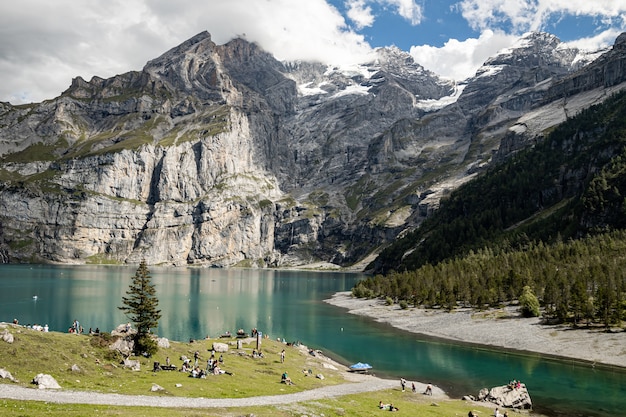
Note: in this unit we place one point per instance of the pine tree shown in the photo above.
(140, 306)
(529, 303)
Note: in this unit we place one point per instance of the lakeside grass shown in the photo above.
(34, 352)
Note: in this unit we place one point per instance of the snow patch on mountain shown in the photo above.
(432, 105)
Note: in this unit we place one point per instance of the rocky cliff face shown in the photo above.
(220, 155)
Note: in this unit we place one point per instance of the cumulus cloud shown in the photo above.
(44, 44)
(360, 13)
(527, 15)
(599, 41)
(459, 60)
(408, 9)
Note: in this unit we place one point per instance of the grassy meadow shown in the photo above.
(34, 352)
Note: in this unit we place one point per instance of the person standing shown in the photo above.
(282, 356)
(403, 383)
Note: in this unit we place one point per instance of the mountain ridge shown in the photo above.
(221, 155)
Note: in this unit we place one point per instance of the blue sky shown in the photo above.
(44, 44)
(442, 20)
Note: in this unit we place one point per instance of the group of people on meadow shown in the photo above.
(195, 371)
(427, 391)
(35, 326)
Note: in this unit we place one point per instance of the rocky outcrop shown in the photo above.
(4, 374)
(220, 347)
(7, 336)
(507, 396)
(45, 381)
(133, 365)
(221, 155)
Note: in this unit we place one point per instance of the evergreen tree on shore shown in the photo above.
(140, 306)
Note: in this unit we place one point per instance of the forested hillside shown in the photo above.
(568, 185)
(548, 226)
(581, 281)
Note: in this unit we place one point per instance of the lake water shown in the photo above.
(288, 304)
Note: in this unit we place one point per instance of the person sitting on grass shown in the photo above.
(285, 379)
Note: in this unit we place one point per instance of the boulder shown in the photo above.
(76, 368)
(507, 397)
(163, 342)
(156, 388)
(7, 336)
(45, 381)
(134, 365)
(220, 347)
(125, 347)
(120, 330)
(4, 374)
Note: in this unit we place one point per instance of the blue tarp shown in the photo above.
(360, 365)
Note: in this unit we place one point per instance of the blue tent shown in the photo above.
(360, 366)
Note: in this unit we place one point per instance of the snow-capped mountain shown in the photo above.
(222, 155)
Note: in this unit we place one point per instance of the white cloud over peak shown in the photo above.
(459, 60)
(44, 44)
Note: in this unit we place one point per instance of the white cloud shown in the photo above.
(459, 60)
(408, 9)
(44, 44)
(599, 41)
(360, 13)
(527, 15)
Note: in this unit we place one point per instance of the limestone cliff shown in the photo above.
(221, 155)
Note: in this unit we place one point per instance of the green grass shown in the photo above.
(54, 353)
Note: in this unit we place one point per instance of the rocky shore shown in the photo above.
(501, 328)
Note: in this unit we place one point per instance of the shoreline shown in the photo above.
(501, 329)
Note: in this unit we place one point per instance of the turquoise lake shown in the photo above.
(289, 304)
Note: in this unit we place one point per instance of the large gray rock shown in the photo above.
(122, 345)
(507, 397)
(163, 342)
(220, 347)
(133, 365)
(45, 381)
(4, 374)
(7, 336)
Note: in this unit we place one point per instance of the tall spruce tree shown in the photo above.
(140, 306)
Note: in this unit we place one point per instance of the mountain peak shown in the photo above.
(199, 43)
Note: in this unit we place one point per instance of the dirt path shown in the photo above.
(367, 384)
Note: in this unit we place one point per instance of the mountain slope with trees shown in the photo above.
(546, 226)
(568, 185)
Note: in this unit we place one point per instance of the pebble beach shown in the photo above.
(500, 328)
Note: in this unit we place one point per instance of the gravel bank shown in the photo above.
(502, 328)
